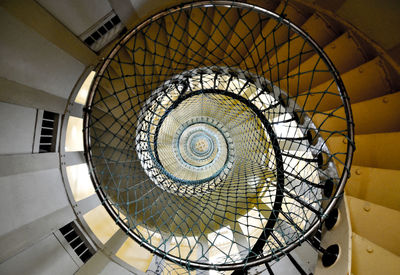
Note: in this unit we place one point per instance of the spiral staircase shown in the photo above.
(219, 138)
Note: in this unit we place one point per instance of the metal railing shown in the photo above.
(207, 141)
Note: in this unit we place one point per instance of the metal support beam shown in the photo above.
(115, 242)
(73, 158)
(76, 110)
(87, 204)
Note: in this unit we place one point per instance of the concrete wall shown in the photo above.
(30, 196)
(33, 201)
(77, 15)
(101, 264)
(45, 257)
(17, 126)
(34, 73)
(30, 59)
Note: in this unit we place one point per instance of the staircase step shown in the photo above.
(119, 89)
(289, 55)
(175, 26)
(380, 186)
(198, 28)
(372, 150)
(344, 52)
(157, 46)
(135, 79)
(220, 34)
(376, 223)
(119, 125)
(271, 37)
(243, 36)
(362, 83)
(378, 115)
(144, 61)
(370, 258)
(116, 104)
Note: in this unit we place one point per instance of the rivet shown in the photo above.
(385, 100)
(345, 140)
(367, 208)
(358, 172)
(361, 70)
(333, 46)
(370, 249)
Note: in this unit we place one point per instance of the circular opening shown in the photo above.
(330, 255)
(312, 137)
(332, 219)
(298, 117)
(328, 188)
(283, 100)
(323, 160)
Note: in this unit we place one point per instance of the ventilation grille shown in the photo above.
(103, 32)
(75, 241)
(48, 133)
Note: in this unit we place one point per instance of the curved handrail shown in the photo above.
(251, 260)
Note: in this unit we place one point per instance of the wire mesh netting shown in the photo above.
(207, 139)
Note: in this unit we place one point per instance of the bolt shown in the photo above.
(370, 249)
(361, 70)
(358, 172)
(385, 100)
(367, 208)
(345, 140)
(333, 46)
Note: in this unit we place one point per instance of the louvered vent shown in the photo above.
(48, 132)
(103, 32)
(75, 241)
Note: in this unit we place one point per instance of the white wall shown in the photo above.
(17, 126)
(113, 268)
(29, 59)
(101, 264)
(30, 196)
(45, 257)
